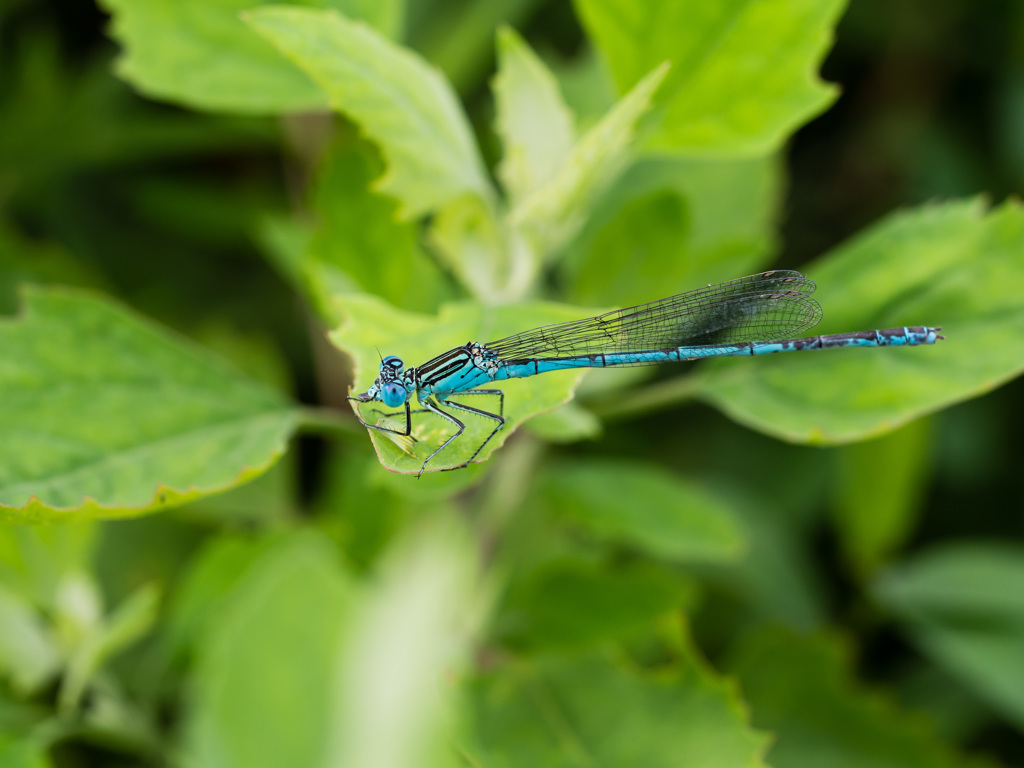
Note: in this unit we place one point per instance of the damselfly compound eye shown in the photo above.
(392, 394)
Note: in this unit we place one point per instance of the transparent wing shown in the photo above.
(763, 307)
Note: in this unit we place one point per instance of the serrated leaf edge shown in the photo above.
(164, 496)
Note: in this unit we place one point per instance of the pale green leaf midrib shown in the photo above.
(119, 458)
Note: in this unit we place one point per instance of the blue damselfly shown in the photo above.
(754, 315)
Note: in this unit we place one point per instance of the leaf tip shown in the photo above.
(652, 83)
(507, 38)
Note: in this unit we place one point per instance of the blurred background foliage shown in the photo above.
(632, 580)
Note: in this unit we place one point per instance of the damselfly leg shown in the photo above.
(478, 412)
(408, 420)
(435, 408)
(500, 394)
(498, 417)
(389, 414)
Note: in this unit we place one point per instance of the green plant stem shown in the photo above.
(328, 422)
(651, 398)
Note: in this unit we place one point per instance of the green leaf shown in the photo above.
(213, 573)
(743, 74)
(402, 104)
(643, 506)
(589, 711)
(534, 124)
(951, 265)
(17, 751)
(409, 639)
(585, 83)
(802, 688)
(962, 606)
(494, 262)
(105, 414)
(359, 515)
(358, 244)
(567, 424)
(35, 561)
(672, 224)
(145, 550)
(879, 493)
(28, 655)
(263, 683)
(364, 509)
(553, 214)
(349, 673)
(199, 53)
(130, 621)
(373, 325)
(571, 603)
(777, 580)
(637, 250)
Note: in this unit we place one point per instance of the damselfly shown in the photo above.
(754, 315)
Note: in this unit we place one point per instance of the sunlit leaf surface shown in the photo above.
(743, 74)
(953, 265)
(643, 506)
(306, 680)
(104, 414)
(263, 694)
(401, 102)
(572, 603)
(199, 53)
(554, 212)
(535, 125)
(592, 710)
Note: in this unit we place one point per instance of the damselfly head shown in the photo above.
(388, 388)
(392, 393)
(391, 364)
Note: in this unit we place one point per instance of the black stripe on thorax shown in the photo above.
(451, 354)
(442, 367)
